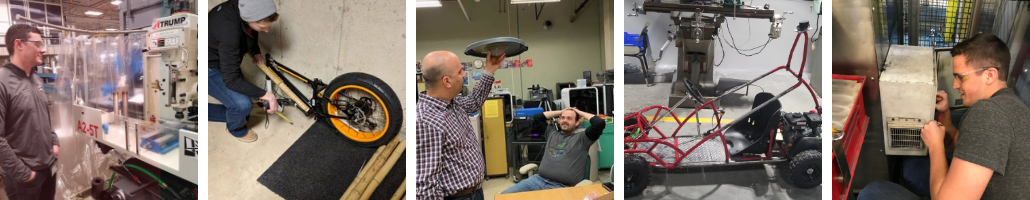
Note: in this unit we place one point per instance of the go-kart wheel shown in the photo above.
(638, 175)
(375, 110)
(805, 169)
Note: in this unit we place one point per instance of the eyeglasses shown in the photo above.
(38, 44)
(964, 76)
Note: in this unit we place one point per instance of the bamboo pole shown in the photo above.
(400, 191)
(362, 171)
(374, 183)
(372, 167)
(282, 86)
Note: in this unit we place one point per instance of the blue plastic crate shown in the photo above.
(631, 40)
(527, 112)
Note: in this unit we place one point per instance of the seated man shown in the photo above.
(565, 156)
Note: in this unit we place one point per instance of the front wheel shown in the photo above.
(805, 169)
(367, 111)
(637, 174)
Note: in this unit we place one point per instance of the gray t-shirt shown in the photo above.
(566, 155)
(995, 133)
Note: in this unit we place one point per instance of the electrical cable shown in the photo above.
(723, 51)
(146, 172)
(733, 43)
(818, 31)
(110, 181)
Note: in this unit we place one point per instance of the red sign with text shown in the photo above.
(88, 129)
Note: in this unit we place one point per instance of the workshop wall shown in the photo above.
(747, 33)
(313, 38)
(560, 54)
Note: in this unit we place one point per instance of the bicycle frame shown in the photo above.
(646, 126)
(274, 71)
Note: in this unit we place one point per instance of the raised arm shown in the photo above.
(474, 101)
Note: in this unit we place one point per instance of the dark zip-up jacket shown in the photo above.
(27, 138)
(229, 39)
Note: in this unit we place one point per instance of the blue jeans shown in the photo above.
(882, 190)
(917, 172)
(533, 183)
(477, 195)
(235, 107)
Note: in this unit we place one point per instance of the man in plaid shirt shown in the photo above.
(450, 159)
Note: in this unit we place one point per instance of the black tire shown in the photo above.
(637, 174)
(805, 169)
(394, 116)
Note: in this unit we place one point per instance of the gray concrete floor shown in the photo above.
(235, 166)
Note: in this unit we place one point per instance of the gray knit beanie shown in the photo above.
(254, 10)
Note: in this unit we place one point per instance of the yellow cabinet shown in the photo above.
(493, 137)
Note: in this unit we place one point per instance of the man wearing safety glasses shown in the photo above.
(233, 33)
(28, 144)
(992, 156)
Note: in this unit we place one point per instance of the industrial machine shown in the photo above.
(586, 99)
(736, 143)
(165, 140)
(909, 78)
(174, 38)
(698, 23)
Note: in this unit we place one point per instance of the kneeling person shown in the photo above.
(566, 154)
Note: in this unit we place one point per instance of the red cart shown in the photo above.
(748, 140)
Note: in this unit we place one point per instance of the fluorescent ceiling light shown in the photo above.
(116, 2)
(94, 13)
(427, 3)
(532, 1)
(111, 29)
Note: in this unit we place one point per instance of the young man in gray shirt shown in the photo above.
(992, 154)
(28, 144)
(566, 153)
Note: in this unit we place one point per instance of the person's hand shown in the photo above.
(259, 59)
(273, 105)
(493, 63)
(56, 150)
(943, 104)
(32, 176)
(933, 135)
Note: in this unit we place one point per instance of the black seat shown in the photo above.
(752, 134)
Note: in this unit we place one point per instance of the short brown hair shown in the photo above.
(985, 50)
(18, 31)
(271, 18)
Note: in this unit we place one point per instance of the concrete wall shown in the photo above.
(314, 38)
(560, 54)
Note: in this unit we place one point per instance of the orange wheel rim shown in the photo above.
(351, 132)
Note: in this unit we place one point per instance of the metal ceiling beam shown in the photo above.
(463, 11)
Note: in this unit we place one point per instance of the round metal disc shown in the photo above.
(512, 47)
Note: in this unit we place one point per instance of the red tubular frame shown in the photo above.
(646, 126)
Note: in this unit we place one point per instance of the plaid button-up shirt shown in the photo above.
(449, 156)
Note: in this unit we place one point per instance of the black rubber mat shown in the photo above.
(321, 164)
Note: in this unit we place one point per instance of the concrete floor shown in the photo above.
(753, 182)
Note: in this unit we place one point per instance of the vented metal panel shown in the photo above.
(907, 138)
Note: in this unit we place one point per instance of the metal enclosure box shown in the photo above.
(908, 88)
